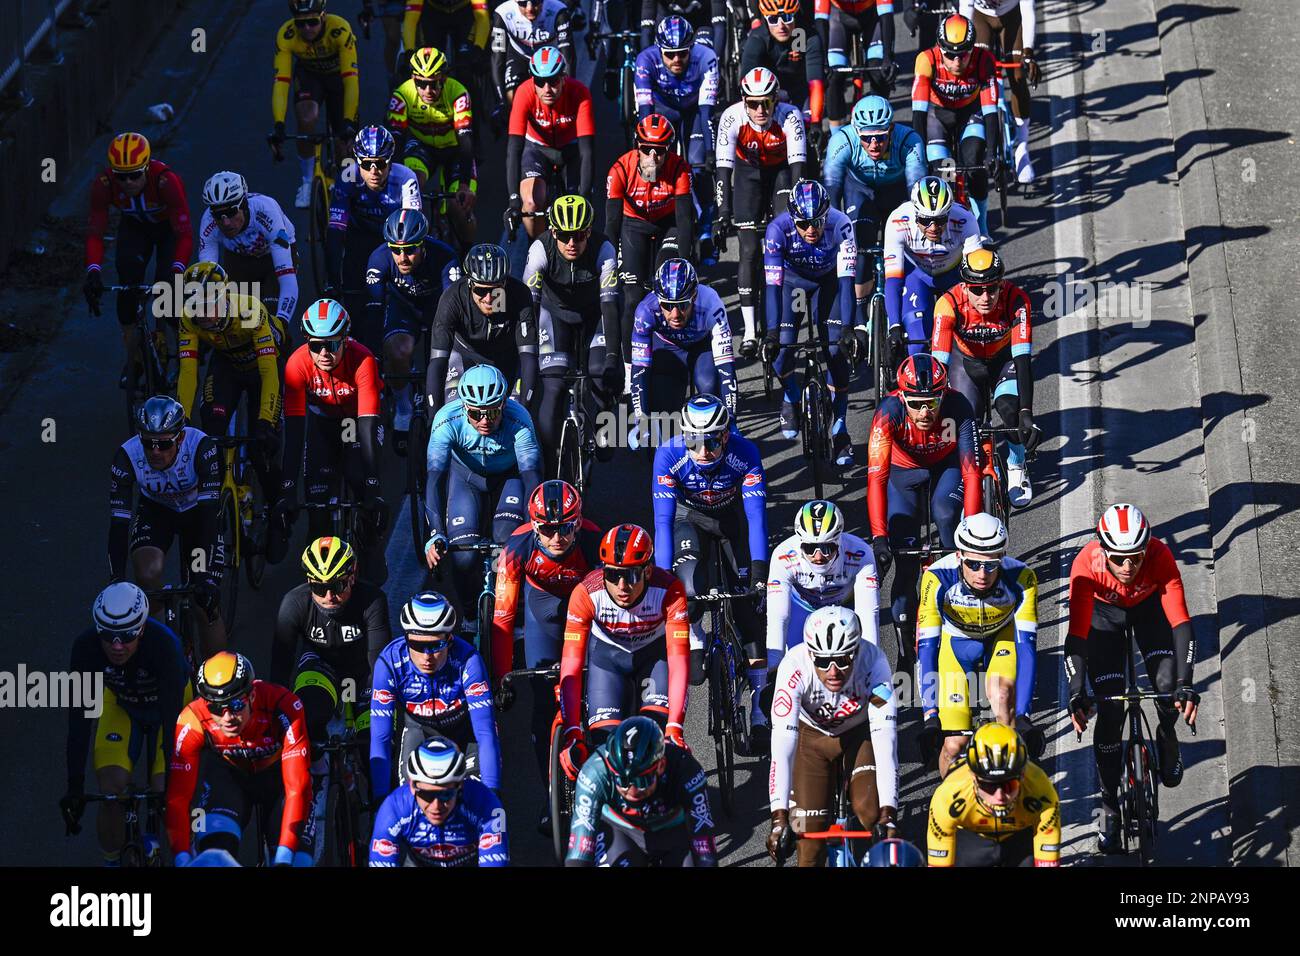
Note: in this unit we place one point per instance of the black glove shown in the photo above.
(911, 19)
(884, 556)
(268, 437)
(769, 349)
(290, 503)
(897, 351)
(1081, 702)
(1035, 739)
(577, 19)
(278, 135)
(348, 130)
(1029, 435)
(1187, 695)
(994, 166)
(928, 742)
(1030, 65)
(888, 72)
(93, 290)
(780, 836)
(72, 806)
(854, 345)
(207, 595)
(513, 218)
(613, 377)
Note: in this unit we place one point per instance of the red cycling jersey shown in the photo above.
(935, 84)
(552, 126)
(822, 8)
(276, 730)
(981, 336)
(350, 390)
(163, 199)
(1091, 580)
(652, 202)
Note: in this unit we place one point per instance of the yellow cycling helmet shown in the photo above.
(571, 214)
(128, 152)
(328, 559)
(997, 754)
(427, 63)
(211, 280)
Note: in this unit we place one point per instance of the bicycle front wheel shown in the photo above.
(416, 478)
(816, 432)
(319, 220)
(229, 529)
(568, 466)
(1144, 795)
(561, 794)
(343, 826)
(720, 710)
(880, 370)
(253, 523)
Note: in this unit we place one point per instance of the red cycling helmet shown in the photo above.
(655, 130)
(922, 374)
(554, 502)
(626, 546)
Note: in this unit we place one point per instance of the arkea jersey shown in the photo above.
(849, 579)
(474, 834)
(955, 806)
(697, 86)
(779, 143)
(981, 336)
(708, 323)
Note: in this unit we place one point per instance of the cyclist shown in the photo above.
(430, 683)
(252, 238)
(519, 29)
(894, 852)
(809, 253)
(871, 166)
(677, 77)
(248, 739)
(637, 613)
(432, 114)
(924, 241)
(708, 19)
(923, 433)
(1010, 25)
(552, 132)
(155, 222)
(641, 803)
(988, 318)
(979, 611)
(459, 25)
(996, 808)
(177, 469)
(572, 271)
(873, 22)
(761, 151)
(955, 101)
(650, 212)
(797, 56)
(1128, 580)
(359, 207)
(833, 715)
(145, 679)
(681, 337)
(442, 817)
(483, 446)
(325, 51)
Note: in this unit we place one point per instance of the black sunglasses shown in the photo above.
(874, 137)
(619, 575)
(988, 567)
(408, 250)
(427, 647)
(549, 80)
(235, 706)
(322, 588)
(653, 150)
(1120, 560)
(760, 104)
(432, 83)
(159, 444)
(225, 212)
(571, 235)
(982, 288)
(307, 23)
(703, 442)
(325, 345)
(127, 177)
(566, 528)
(676, 54)
(437, 796)
(483, 291)
(840, 661)
(107, 637)
(483, 414)
(924, 221)
(370, 165)
(817, 223)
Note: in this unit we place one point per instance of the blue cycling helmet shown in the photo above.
(676, 281)
(406, 227)
(482, 387)
(808, 200)
(675, 33)
(546, 62)
(374, 142)
(325, 319)
(894, 852)
(873, 113)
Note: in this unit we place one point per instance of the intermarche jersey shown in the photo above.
(848, 579)
(782, 141)
(474, 834)
(955, 806)
(552, 126)
(163, 200)
(438, 124)
(708, 323)
(697, 86)
(982, 336)
(1091, 581)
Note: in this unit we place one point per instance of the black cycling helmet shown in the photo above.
(160, 415)
(486, 263)
(635, 752)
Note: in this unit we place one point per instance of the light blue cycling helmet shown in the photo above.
(482, 387)
(546, 62)
(873, 113)
(325, 319)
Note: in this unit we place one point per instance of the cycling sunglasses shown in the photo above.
(322, 588)
(427, 647)
(817, 223)
(840, 662)
(225, 212)
(324, 345)
(438, 796)
(235, 706)
(653, 150)
(550, 530)
(632, 576)
(571, 235)
(1121, 560)
(774, 18)
(431, 83)
(107, 637)
(926, 221)
(678, 305)
(549, 80)
(370, 165)
(921, 404)
(407, 250)
(307, 23)
(128, 177)
(483, 414)
(532, 3)
(759, 104)
(981, 288)
(1009, 787)
(159, 444)
(988, 567)
(703, 442)
(642, 782)
(483, 291)
(869, 138)
(675, 54)
(830, 550)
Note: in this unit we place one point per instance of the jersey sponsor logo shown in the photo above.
(432, 707)
(782, 705)
(752, 479)
(477, 689)
(700, 812)
(384, 847)
(381, 696)
(488, 840)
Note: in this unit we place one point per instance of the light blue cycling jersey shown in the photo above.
(846, 157)
(475, 833)
(512, 446)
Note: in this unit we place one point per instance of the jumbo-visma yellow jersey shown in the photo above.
(248, 345)
(333, 51)
(954, 807)
(947, 605)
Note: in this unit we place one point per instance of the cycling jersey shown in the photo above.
(247, 344)
(708, 323)
(267, 232)
(779, 143)
(553, 126)
(349, 390)
(474, 835)
(651, 201)
(512, 446)
(505, 338)
(353, 204)
(935, 85)
(800, 67)
(696, 87)
(836, 249)
(333, 51)
(441, 9)
(908, 249)
(801, 698)
(416, 292)
(439, 124)
(514, 36)
(275, 732)
(999, 9)
(163, 200)
(184, 485)
(572, 289)
(822, 8)
(343, 638)
(955, 806)
(796, 586)
(708, 17)
(982, 336)
(1091, 580)
(846, 157)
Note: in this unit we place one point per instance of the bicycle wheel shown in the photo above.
(816, 433)
(1144, 795)
(319, 219)
(568, 466)
(343, 825)
(417, 477)
(561, 793)
(252, 547)
(720, 710)
(627, 91)
(229, 528)
(486, 608)
(880, 371)
(993, 501)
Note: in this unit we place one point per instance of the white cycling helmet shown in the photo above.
(705, 414)
(981, 534)
(931, 197)
(819, 522)
(437, 762)
(225, 189)
(758, 83)
(831, 631)
(429, 613)
(121, 609)
(1124, 530)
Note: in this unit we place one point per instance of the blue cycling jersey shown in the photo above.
(418, 289)
(475, 833)
(835, 251)
(443, 701)
(708, 323)
(354, 204)
(511, 447)
(696, 87)
(846, 156)
(737, 475)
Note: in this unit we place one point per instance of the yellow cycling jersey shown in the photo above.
(954, 807)
(948, 605)
(440, 8)
(248, 344)
(437, 124)
(333, 51)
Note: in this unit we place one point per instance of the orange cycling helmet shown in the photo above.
(655, 130)
(956, 34)
(626, 546)
(771, 8)
(128, 152)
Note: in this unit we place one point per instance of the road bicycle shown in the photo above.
(857, 70)
(152, 364)
(176, 610)
(577, 447)
(627, 40)
(325, 170)
(417, 472)
(344, 827)
(845, 846)
(560, 789)
(486, 601)
(878, 363)
(815, 413)
(927, 550)
(142, 819)
(242, 520)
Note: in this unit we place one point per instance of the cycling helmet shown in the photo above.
(676, 281)
(981, 534)
(1124, 530)
(655, 130)
(819, 522)
(406, 227)
(325, 319)
(437, 762)
(328, 559)
(303, 8)
(121, 609)
(571, 214)
(894, 852)
(210, 279)
(705, 414)
(201, 273)
(225, 189)
(374, 142)
(956, 34)
(635, 753)
(224, 676)
(428, 62)
(758, 83)
(546, 62)
(982, 266)
(675, 33)
(997, 753)
(554, 502)
(626, 546)
(128, 152)
(482, 387)
(160, 415)
(922, 375)
(831, 631)
(872, 113)
(808, 200)
(486, 263)
(770, 8)
(429, 613)
(931, 197)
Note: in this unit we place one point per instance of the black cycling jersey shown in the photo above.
(572, 289)
(343, 639)
(507, 338)
(794, 71)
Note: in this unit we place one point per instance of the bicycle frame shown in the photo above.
(878, 327)
(417, 474)
(577, 445)
(489, 550)
(345, 763)
(176, 601)
(136, 851)
(324, 172)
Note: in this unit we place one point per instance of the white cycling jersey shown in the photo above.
(1000, 8)
(513, 31)
(801, 697)
(848, 580)
(781, 141)
(267, 232)
(906, 241)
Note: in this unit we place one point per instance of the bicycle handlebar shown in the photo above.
(130, 796)
(717, 597)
